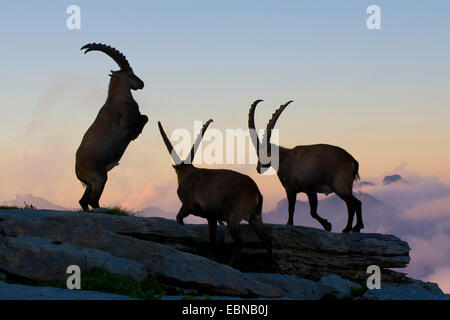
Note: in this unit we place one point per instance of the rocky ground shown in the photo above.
(37, 246)
(22, 292)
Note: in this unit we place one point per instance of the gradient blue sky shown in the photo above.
(382, 95)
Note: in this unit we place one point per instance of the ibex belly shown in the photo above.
(116, 148)
(324, 189)
(111, 165)
(248, 214)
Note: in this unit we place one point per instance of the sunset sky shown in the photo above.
(383, 95)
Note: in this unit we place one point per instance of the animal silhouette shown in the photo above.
(117, 124)
(312, 169)
(218, 195)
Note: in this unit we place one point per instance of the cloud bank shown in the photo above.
(416, 209)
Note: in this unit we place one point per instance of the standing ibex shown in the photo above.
(218, 195)
(312, 169)
(117, 124)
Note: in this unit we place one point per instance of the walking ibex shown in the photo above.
(218, 195)
(117, 124)
(312, 169)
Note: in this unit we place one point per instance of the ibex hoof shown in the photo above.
(326, 225)
(84, 205)
(346, 230)
(232, 262)
(357, 228)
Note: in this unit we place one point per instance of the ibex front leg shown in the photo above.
(137, 129)
(212, 224)
(183, 213)
(292, 199)
(234, 228)
(312, 197)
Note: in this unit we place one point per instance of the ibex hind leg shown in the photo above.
(257, 225)
(359, 221)
(351, 209)
(97, 189)
(84, 201)
(234, 228)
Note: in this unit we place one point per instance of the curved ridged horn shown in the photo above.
(115, 54)
(176, 159)
(251, 125)
(271, 124)
(191, 155)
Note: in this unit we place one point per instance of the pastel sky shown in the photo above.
(382, 95)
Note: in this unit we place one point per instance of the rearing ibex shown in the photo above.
(218, 195)
(312, 169)
(117, 124)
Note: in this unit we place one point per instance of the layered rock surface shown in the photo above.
(38, 244)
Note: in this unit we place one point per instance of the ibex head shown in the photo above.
(126, 72)
(265, 143)
(180, 164)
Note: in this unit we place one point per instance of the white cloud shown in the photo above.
(434, 208)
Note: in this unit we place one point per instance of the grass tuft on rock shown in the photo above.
(116, 211)
(99, 279)
(25, 206)
(8, 207)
